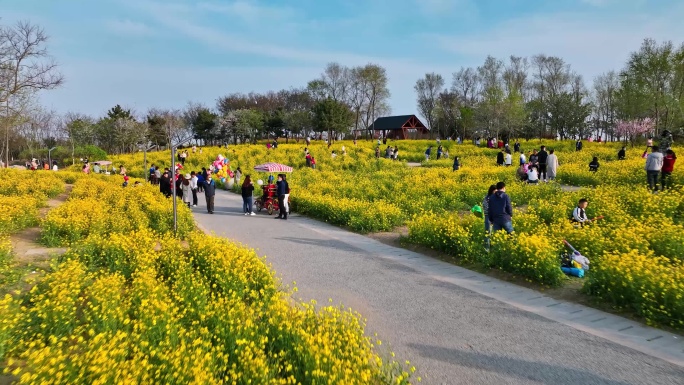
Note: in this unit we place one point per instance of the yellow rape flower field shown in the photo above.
(636, 252)
(130, 303)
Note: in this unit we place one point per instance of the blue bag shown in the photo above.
(575, 272)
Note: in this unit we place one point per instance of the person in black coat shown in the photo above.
(621, 154)
(209, 192)
(165, 184)
(500, 158)
(282, 188)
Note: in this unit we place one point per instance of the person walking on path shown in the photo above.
(516, 146)
(523, 158)
(193, 187)
(501, 210)
(286, 201)
(209, 192)
(457, 164)
(508, 159)
(668, 166)
(281, 189)
(543, 157)
(427, 153)
(500, 158)
(248, 196)
(187, 190)
(551, 165)
(578, 145)
(654, 164)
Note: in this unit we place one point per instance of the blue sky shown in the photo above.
(144, 54)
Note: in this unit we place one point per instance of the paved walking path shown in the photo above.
(456, 326)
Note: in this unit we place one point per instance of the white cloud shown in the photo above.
(249, 10)
(129, 27)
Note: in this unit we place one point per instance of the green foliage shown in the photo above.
(332, 116)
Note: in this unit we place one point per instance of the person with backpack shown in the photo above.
(500, 210)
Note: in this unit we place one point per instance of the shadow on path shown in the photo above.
(526, 370)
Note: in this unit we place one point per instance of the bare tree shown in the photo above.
(428, 90)
(336, 79)
(376, 95)
(466, 85)
(25, 67)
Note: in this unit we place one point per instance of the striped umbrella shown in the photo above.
(273, 167)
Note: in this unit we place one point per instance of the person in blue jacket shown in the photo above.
(500, 210)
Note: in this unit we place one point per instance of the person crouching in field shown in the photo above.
(500, 210)
(579, 215)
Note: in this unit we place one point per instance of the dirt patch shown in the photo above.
(27, 250)
(570, 291)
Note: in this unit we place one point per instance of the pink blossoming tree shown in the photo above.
(632, 129)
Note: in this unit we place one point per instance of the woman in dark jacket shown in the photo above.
(282, 189)
(247, 196)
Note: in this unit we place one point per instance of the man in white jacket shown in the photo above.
(654, 163)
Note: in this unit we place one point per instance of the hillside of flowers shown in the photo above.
(132, 303)
(636, 251)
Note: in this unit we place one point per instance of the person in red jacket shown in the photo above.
(668, 167)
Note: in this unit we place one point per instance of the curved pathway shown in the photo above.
(456, 326)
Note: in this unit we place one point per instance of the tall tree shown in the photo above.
(166, 126)
(491, 107)
(466, 85)
(79, 130)
(332, 116)
(376, 93)
(604, 101)
(428, 90)
(203, 123)
(25, 68)
(651, 73)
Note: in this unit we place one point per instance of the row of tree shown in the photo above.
(542, 97)
(519, 97)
